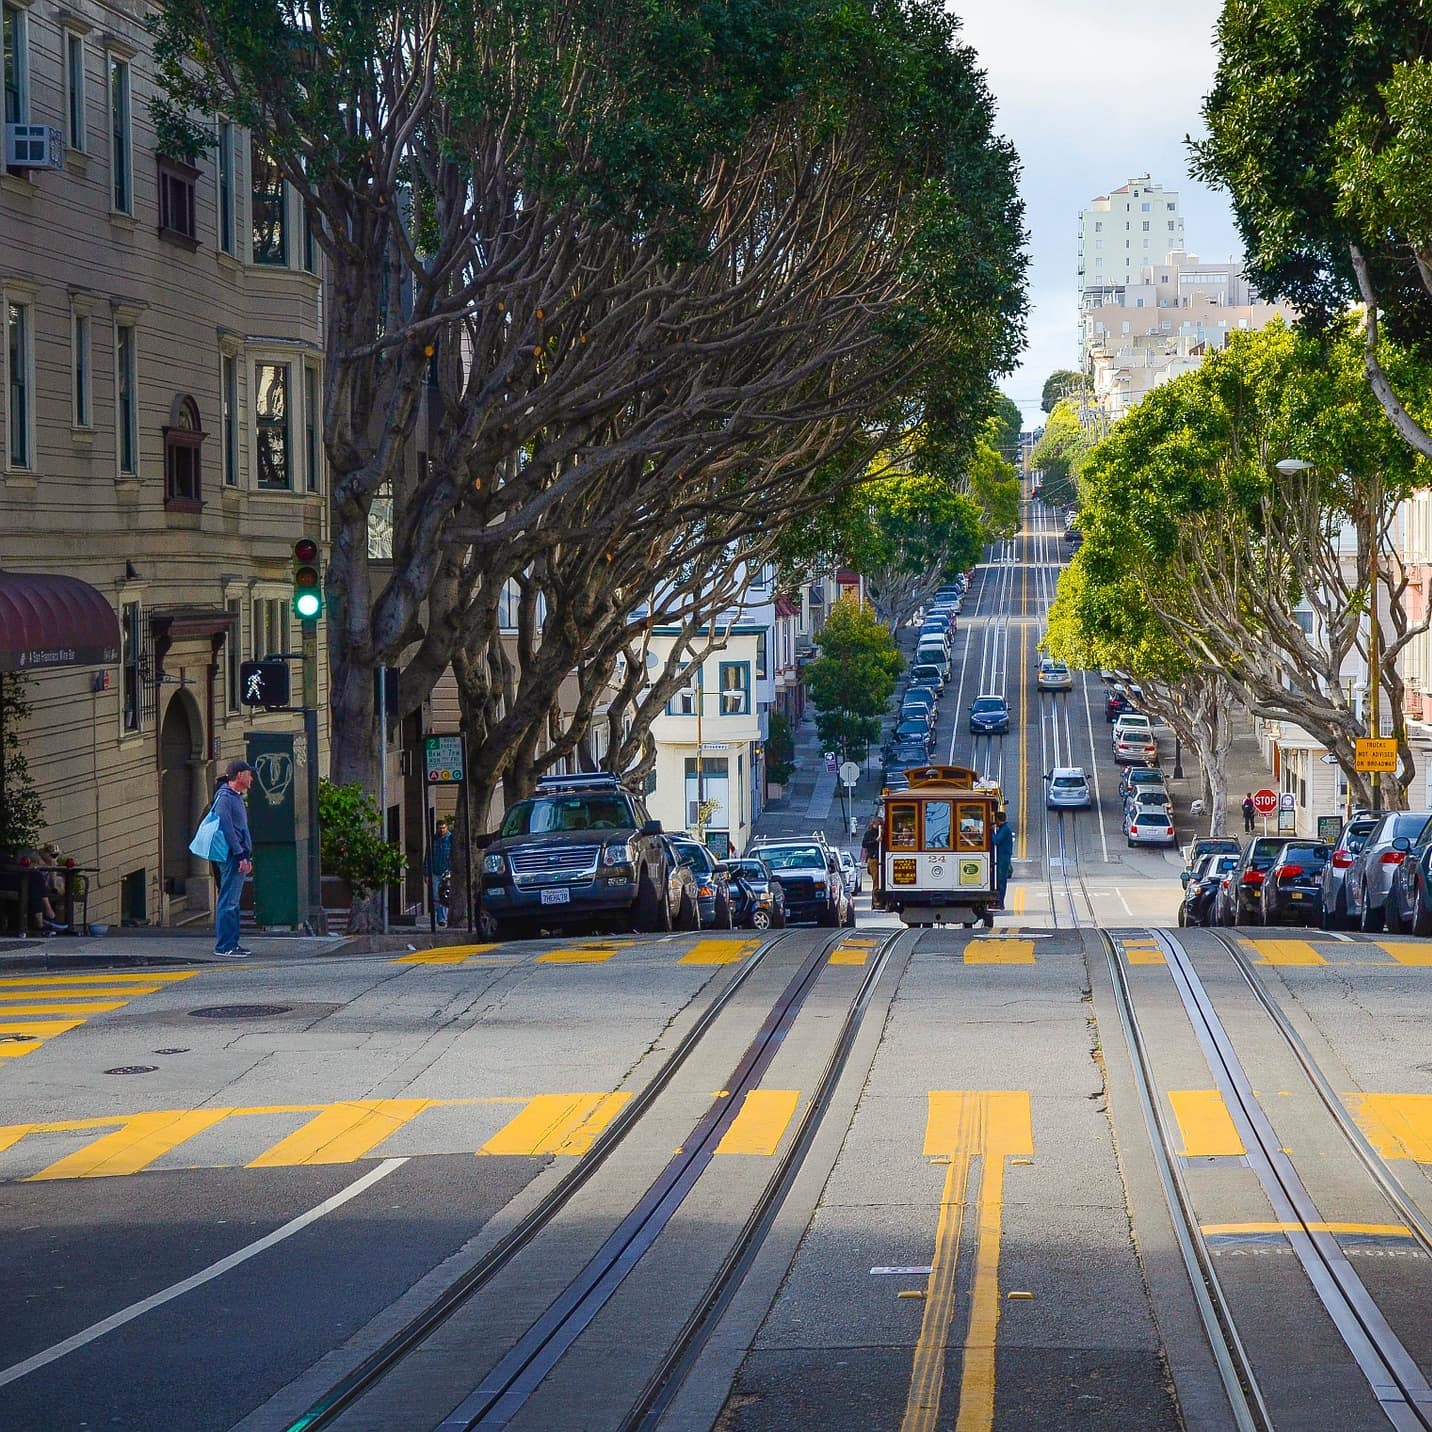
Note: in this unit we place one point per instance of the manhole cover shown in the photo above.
(239, 1011)
(171, 1051)
(133, 1069)
(19, 1038)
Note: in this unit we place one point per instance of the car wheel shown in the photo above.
(1370, 921)
(1392, 915)
(761, 919)
(688, 914)
(1421, 915)
(1325, 921)
(1341, 920)
(1182, 915)
(651, 915)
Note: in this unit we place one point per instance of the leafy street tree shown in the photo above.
(1060, 454)
(1061, 385)
(22, 815)
(1194, 540)
(619, 273)
(853, 678)
(1319, 123)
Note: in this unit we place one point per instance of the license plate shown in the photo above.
(556, 897)
(1297, 895)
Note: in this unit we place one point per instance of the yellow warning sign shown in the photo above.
(1376, 754)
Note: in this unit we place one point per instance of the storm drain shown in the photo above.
(133, 1069)
(240, 1011)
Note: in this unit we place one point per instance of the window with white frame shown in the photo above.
(269, 206)
(229, 416)
(126, 397)
(81, 371)
(75, 119)
(273, 426)
(227, 192)
(735, 679)
(17, 65)
(19, 384)
(121, 137)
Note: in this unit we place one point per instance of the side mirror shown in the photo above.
(1402, 843)
(1184, 878)
(481, 842)
(651, 827)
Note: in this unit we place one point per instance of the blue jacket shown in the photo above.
(234, 822)
(442, 854)
(1004, 849)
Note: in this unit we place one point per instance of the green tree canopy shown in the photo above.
(1060, 455)
(1060, 384)
(853, 678)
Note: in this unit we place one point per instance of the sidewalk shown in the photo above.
(1246, 771)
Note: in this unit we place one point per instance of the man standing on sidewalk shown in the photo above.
(1003, 855)
(1249, 810)
(234, 822)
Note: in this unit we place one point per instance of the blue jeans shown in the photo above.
(226, 915)
(435, 885)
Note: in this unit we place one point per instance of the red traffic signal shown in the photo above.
(305, 550)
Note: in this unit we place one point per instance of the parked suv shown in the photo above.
(812, 889)
(580, 850)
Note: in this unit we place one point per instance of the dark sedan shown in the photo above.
(1294, 882)
(989, 716)
(1203, 881)
(1240, 892)
(713, 898)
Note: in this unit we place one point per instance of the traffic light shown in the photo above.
(263, 683)
(307, 580)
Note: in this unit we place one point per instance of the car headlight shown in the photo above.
(619, 852)
(493, 864)
(820, 884)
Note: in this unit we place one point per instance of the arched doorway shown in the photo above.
(180, 751)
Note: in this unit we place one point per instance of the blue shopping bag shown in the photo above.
(209, 842)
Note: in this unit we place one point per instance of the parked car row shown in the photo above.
(1377, 874)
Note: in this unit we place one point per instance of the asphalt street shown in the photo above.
(1077, 1171)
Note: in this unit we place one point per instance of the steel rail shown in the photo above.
(384, 1358)
(1235, 1367)
(506, 1388)
(1392, 1187)
(664, 1385)
(1392, 1373)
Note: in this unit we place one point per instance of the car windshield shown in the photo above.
(1263, 851)
(694, 855)
(794, 857)
(1410, 825)
(926, 673)
(919, 696)
(540, 815)
(750, 869)
(1145, 777)
(1356, 836)
(987, 704)
(1068, 781)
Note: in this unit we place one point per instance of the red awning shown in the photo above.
(48, 620)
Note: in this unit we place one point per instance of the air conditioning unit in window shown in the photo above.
(33, 146)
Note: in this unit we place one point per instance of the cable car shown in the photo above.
(937, 863)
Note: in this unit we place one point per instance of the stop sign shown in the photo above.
(1265, 802)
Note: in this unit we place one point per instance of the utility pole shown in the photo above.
(1374, 647)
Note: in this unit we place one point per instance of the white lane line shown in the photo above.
(215, 1270)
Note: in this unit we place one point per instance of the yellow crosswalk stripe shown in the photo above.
(19, 1037)
(1398, 1126)
(444, 955)
(853, 952)
(720, 952)
(1406, 953)
(762, 1121)
(556, 1124)
(154, 977)
(999, 950)
(1285, 952)
(596, 953)
(22, 997)
(10, 997)
(139, 1140)
(342, 1132)
(64, 1007)
(1377, 1230)
(1204, 1122)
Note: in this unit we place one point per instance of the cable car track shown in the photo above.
(505, 1389)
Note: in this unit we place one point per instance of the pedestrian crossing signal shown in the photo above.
(263, 683)
(307, 581)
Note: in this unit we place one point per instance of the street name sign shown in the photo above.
(1376, 755)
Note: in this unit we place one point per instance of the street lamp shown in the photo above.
(1289, 467)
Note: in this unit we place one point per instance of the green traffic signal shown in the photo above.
(307, 581)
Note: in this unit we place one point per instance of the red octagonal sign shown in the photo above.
(1265, 802)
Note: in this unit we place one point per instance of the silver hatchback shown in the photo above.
(1332, 903)
(1370, 876)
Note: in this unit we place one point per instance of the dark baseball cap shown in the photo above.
(237, 768)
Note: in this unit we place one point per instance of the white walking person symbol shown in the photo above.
(256, 686)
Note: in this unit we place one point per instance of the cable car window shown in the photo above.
(902, 827)
(972, 827)
(937, 825)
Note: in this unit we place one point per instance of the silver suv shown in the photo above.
(1332, 902)
(1370, 876)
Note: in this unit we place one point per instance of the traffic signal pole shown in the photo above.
(309, 628)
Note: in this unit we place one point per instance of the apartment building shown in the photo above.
(1138, 333)
(1124, 230)
(162, 447)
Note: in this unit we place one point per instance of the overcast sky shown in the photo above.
(1090, 97)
